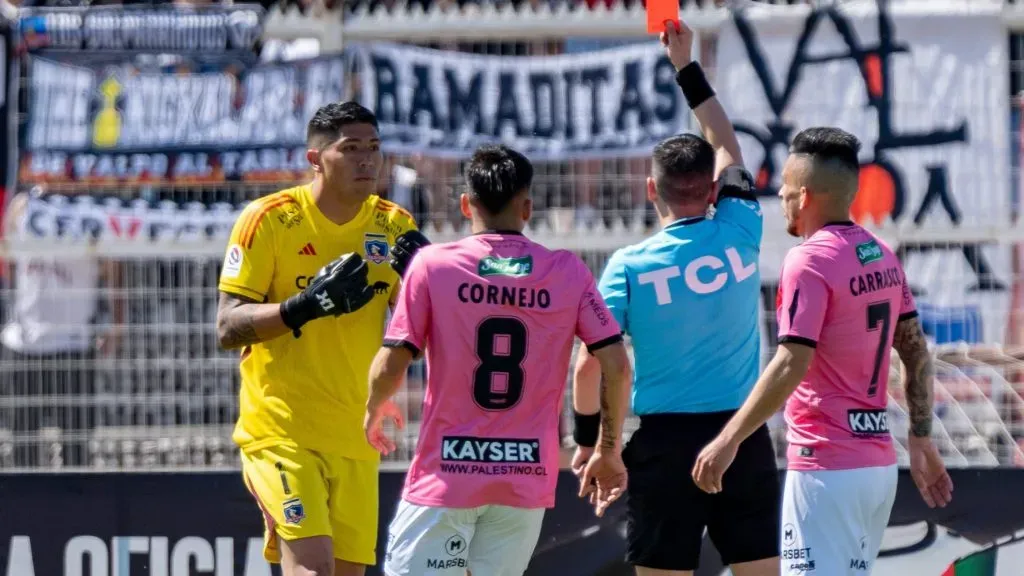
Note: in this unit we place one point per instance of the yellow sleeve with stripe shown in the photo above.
(249, 263)
(400, 221)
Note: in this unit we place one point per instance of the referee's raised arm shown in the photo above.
(711, 117)
(689, 297)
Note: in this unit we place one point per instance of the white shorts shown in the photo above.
(833, 520)
(488, 540)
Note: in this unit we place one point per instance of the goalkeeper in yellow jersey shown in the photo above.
(304, 292)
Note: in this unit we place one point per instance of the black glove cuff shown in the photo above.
(586, 428)
(295, 313)
(694, 84)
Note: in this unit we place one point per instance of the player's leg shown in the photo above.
(429, 541)
(882, 483)
(821, 522)
(307, 557)
(665, 511)
(346, 568)
(290, 491)
(744, 519)
(504, 540)
(353, 504)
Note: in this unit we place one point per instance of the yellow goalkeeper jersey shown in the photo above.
(311, 391)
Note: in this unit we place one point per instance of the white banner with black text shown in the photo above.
(608, 103)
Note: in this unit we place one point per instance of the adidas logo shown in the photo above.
(308, 250)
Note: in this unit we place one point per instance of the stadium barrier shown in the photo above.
(186, 524)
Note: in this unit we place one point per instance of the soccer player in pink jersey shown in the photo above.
(843, 303)
(497, 315)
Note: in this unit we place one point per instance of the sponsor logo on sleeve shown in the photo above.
(597, 306)
(232, 262)
(869, 252)
(868, 422)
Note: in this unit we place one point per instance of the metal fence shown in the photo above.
(149, 388)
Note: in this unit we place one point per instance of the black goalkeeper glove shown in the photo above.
(405, 248)
(339, 288)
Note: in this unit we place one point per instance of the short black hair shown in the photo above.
(684, 169)
(496, 174)
(824, 144)
(328, 121)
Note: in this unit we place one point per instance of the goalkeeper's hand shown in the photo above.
(405, 248)
(339, 288)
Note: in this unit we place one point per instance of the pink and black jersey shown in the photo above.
(842, 291)
(497, 315)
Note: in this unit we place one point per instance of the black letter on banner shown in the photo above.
(593, 77)
(630, 100)
(507, 109)
(667, 106)
(387, 88)
(538, 82)
(570, 109)
(463, 107)
(938, 189)
(423, 97)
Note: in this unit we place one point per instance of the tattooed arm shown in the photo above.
(616, 372)
(926, 465)
(918, 375)
(243, 322)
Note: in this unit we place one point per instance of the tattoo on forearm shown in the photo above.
(235, 325)
(609, 435)
(239, 330)
(912, 347)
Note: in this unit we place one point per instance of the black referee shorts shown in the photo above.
(667, 512)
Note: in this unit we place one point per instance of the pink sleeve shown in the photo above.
(802, 300)
(908, 308)
(411, 319)
(595, 324)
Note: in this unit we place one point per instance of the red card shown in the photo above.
(658, 11)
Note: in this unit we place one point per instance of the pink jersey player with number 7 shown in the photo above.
(843, 303)
(497, 315)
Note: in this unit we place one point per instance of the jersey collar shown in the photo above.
(840, 223)
(685, 222)
(500, 232)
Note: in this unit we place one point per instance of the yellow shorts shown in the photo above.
(304, 493)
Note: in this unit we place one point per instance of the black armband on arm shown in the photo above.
(736, 182)
(694, 84)
(586, 428)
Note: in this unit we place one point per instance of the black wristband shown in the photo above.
(295, 313)
(585, 430)
(694, 84)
